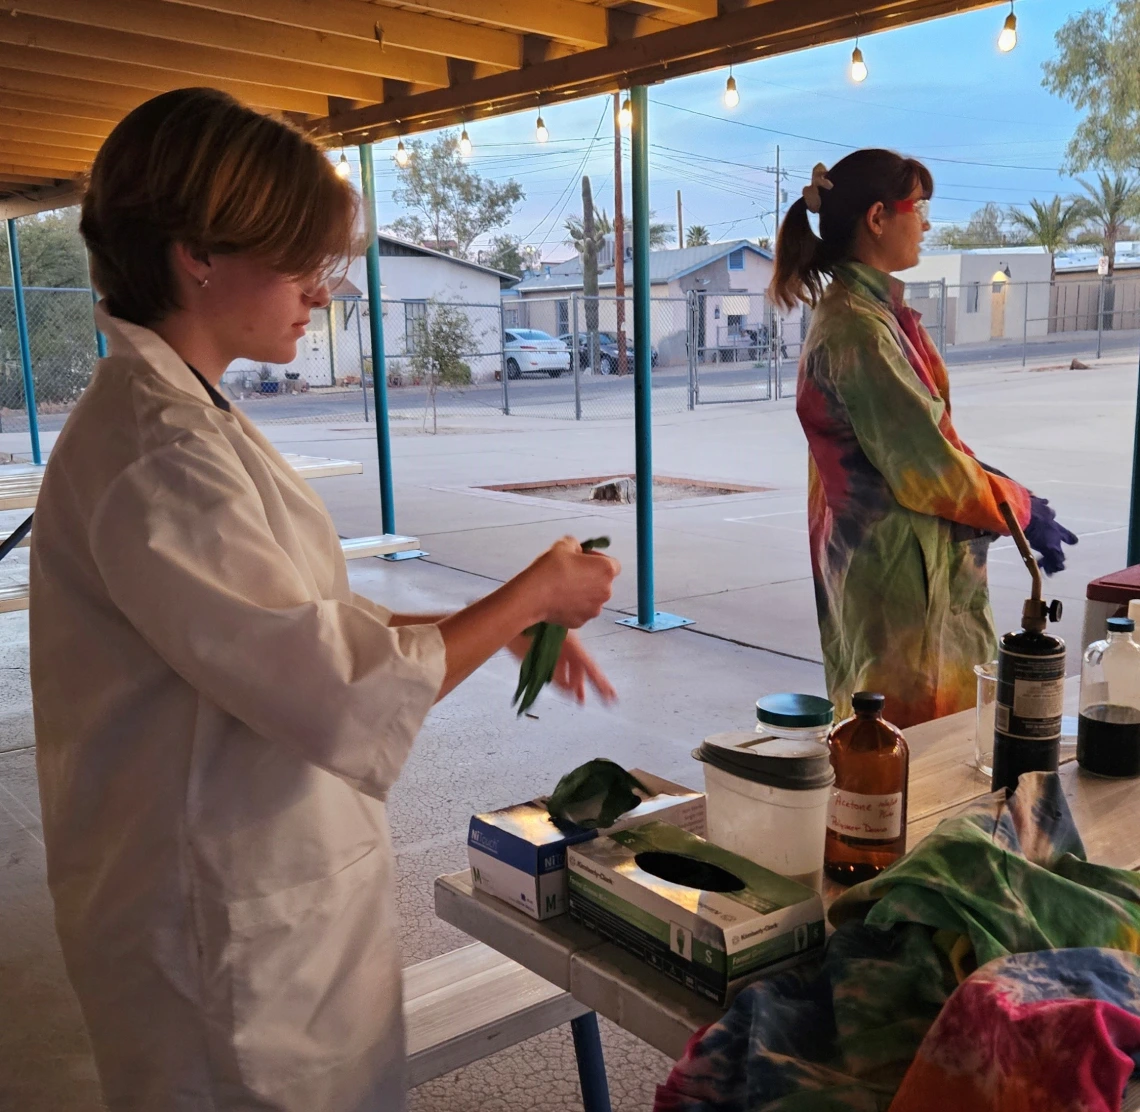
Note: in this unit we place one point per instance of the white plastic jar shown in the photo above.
(795, 717)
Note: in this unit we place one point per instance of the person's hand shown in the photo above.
(574, 668)
(572, 586)
(1046, 534)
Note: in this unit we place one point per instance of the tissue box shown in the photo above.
(645, 889)
(518, 854)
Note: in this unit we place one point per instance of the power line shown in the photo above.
(843, 146)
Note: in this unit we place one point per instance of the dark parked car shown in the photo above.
(608, 357)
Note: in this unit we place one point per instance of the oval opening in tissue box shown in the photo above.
(688, 872)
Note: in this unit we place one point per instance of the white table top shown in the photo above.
(20, 483)
(663, 1013)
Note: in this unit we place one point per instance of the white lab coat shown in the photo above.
(218, 721)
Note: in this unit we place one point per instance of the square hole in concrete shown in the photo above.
(621, 488)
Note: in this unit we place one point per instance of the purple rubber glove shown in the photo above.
(1046, 535)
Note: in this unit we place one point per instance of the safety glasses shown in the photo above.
(921, 206)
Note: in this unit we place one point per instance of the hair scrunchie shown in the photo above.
(819, 180)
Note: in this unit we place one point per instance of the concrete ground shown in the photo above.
(737, 565)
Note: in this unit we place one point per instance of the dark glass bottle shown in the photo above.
(866, 820)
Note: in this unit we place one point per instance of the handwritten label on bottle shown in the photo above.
(872, 817)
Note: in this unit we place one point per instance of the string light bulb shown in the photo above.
(401, 154)
(540, 132)
(343, 170)
(625, 116)
(465, 144)
(731, 95)
(1007, 40)
(858, 66)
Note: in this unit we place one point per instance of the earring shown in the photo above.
(203, 283)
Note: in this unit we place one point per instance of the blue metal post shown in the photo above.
(376, 331)
(591, 1064)
(379, 370)
(647, 618)
(100, 339)
(25, 346)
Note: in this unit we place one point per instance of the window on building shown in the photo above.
(735, 324)
(736, 259)
(973, 296)
(510, 316)
(415, 320)
(563, 318)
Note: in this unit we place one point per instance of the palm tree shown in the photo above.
(1107, 208)
(660, 235)
(697, 236)
(1049, 225)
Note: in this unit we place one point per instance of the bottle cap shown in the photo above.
(868, 702)
(795, 710)
(1121, 625)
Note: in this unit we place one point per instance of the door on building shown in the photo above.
(997, 305)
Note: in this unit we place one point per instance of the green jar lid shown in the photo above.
(795, 710)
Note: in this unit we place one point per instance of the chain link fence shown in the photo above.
(61, 337)
(1003, 321)
(567, 357)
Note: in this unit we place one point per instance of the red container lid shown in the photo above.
(1117, 587)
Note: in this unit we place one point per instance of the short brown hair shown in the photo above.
(194, 166)
(860, 180)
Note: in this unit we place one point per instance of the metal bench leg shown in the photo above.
(591, 1064)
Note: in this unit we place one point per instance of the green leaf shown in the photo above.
(595, 794)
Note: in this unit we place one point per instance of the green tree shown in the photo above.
(1095, 70)
(439, 341)
(60, 326)
(1049, 225)
(986, 228)
(660, 235)
(1109, 204)
(506, 255)
(447, 203)
(697, 236)
(591, 238)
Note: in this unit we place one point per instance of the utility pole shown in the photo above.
(619, 244)
(777, 320)
(680, 223)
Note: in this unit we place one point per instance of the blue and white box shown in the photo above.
(518, 854)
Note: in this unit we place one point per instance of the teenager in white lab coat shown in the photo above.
(219, 718)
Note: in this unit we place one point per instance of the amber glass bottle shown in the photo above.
(866, 820)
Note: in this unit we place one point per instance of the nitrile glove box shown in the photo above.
(518, 854)
(702, 915)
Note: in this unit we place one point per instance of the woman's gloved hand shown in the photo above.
(1046, 535)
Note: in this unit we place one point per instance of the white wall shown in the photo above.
(419, 278)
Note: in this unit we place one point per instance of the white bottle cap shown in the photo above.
(1134, 610)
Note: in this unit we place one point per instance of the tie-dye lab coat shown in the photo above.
(901, 514)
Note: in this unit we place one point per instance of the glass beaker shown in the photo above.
(984, 720)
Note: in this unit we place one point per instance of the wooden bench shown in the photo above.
(471, 1003)
(15, 597)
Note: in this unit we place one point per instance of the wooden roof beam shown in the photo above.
(774, 27)
(690, 9)
(21, 170)
(45, 154)
(73, 116)
(11, 132)
(102, 101)
(12, 181)
(201, 63)
(53, 195)
(116, 82)
(358, 19)
(568, 20)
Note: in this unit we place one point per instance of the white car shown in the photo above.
(529, 351)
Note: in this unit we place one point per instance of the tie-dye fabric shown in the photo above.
(898, 1016)
(901, 514)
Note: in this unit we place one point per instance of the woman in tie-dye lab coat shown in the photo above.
(901, 513)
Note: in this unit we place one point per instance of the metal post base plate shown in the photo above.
(661, 622)
(411, 554)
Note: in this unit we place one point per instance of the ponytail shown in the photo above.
(801, 261)
(805, 260)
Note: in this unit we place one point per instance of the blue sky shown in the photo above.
(940, 91)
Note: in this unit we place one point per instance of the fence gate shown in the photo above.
(737, 347)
